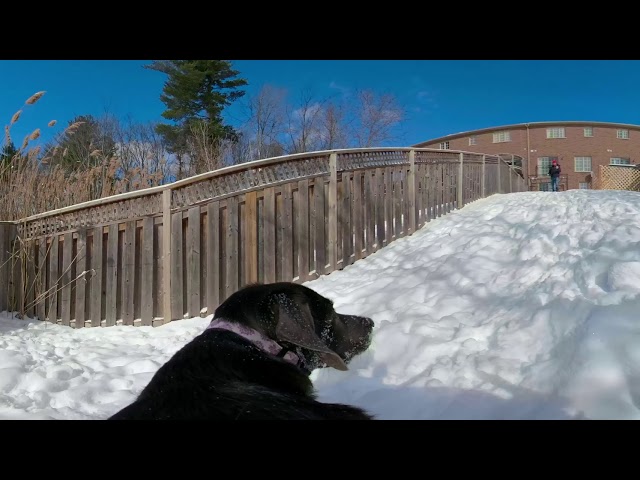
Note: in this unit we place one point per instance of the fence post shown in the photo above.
(511, 171)
(482, 187)
(333, 212)
(8, 233)
(499, 168)
(22, 262)
(4, 265)
(461, 181)
(166, 254)
(412, 190)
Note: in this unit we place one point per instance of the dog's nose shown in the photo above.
(358, 321)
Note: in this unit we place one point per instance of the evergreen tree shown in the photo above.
(7, 153)
(195, 91)
(84, 144)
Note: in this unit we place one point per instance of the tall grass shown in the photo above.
(32, 182)
(37, 179)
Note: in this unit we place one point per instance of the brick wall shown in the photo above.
(601, 147)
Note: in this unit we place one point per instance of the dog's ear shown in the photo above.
(295, 325)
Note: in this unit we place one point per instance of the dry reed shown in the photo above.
(16, 117)
(33, 181)
(34, 98)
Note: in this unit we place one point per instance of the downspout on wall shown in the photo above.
(528, 156)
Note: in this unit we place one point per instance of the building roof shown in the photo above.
(453, 136)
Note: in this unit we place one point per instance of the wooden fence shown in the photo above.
(178, 250)
(618, 177)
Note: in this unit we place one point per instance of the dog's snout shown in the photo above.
(365, 321)
(358, 320)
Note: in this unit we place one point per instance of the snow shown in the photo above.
(519, 306)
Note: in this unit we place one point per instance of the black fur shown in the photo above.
(221, 376)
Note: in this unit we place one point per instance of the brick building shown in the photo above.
(579, 147)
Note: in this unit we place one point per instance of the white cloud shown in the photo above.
(391, 115)
(307, 113)
(342, 89)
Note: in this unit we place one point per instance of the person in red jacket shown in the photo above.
(554, 173)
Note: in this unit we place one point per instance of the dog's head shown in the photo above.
(301, 319)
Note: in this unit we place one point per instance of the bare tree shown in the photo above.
(304, 124)
(206, 151)
(377, 116)
(334, 126)
(142, 154)
(266, 114)
(156, 157)
(241, 150)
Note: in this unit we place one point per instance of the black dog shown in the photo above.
(254, 360)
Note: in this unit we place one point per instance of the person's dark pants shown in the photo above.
(554, 183)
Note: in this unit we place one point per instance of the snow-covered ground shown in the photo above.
(517, 306)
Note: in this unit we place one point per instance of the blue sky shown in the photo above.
(441, 97)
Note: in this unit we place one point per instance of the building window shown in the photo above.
(543, 165)
(623, 134)
(620, 161)
(588, 131)
(582, 164)
(555, 132)
(583, 186)
(444, 146)
(473, 140)
(500, 137)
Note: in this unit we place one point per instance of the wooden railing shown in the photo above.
(536, 180)
(175, 251)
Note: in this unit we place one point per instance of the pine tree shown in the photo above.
(196, 91)
(7, 153)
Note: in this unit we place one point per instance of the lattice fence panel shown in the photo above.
(619, 178)
(372, 159)
(436, 157)
(252, 178)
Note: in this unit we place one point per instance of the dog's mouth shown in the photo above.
(357, 339)
(310, 361)
(361, 335)
(357, 349)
